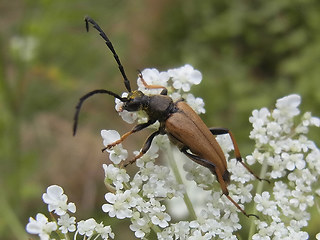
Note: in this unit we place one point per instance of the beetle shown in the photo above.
(178, 120)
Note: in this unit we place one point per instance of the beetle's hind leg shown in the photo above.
(220, 131)
(220, 178)
(244, 212)
(199, 160)
(223, 178)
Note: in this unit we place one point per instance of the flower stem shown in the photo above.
(259, 189)
(155, 228)
(177, 175)
(66, 236)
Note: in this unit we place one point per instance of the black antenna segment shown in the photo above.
(110, 46)
(89, 94)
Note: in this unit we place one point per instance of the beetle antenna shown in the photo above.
(110, 46)
(89, 94)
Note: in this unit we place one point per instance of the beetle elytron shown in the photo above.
(177, 119)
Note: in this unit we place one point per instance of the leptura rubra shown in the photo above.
(178, 120)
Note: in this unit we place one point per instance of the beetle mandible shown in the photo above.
(178, 120)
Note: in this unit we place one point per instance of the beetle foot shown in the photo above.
(133, 160)
(252, 215)
(111, 145)
(103, 149)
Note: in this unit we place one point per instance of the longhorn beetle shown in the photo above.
(177, 119)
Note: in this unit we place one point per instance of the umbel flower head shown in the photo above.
(64, 224)
(275, 132)
(179, 199)
(293, 161)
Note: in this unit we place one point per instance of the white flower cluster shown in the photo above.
(290, 158)
(65, 224)
(142, 198)
(154, 194)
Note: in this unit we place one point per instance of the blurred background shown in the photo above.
(249, 52)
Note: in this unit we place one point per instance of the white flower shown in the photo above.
(197, 104)
(287, 108)
(119, 206)
(140, 226)
(273, 129)
(184, 77)
(259, 120)
(66, 223)
(176, 96)
(150, 155)
(314, 121)
(239, 173)
(115, 176)
(313, 160)
(197, 235)
(87, 227)
(281, 193)
(289, 105)
(166, 234)
(260, 116)
(129, 117)
(109, 136)
(117, 153)
(293, 161)
(181, 229)
(153, 77)
(161, 219)
(57, 201)
(104, 231)
(265, 205)
(301, 200)
(41, 226)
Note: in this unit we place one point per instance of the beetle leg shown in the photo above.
(237, 205)
(199, 160)
(164, 91)
(146, 85)
(220, 131)
(144, 149)
(137, 128)
(211, 167)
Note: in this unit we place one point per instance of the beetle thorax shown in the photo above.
(159, 107)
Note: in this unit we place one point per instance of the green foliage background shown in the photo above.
(249, 52)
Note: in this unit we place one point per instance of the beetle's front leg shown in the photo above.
(220, 131)
(137, 128)
(145, 148)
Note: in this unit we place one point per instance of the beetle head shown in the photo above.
(135, 101)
